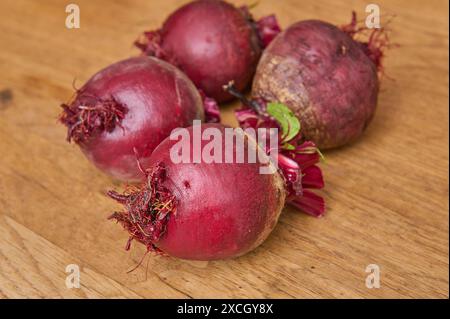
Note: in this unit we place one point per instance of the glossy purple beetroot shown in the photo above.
(213, 42)
(124, 111)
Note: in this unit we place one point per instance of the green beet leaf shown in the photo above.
(290, 125)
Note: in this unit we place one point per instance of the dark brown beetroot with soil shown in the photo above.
(328, 79)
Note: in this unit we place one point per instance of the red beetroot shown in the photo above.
(126, 110)
(202, 211)
(327, 78)
(213, 42)
(214, 211)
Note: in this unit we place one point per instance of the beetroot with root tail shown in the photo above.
(202, 211)
(210, 211)
(213, 42)
(326, 76)
(127, 109)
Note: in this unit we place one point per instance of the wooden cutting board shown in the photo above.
(387, 194)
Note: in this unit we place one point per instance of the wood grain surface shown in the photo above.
(387, 194)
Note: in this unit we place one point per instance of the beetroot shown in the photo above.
(202, 211)
(325, 76)
(213, 42)
(127, 109)
(210, 211)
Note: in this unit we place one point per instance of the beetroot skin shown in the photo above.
(202, 211)
(326, 77)
(124, 111)
(213, 42)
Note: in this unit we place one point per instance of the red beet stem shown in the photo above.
(267, 27)
(211, 108)
(376, 44)
(88, 115)
(296, 163)
(310, 203)
(252, 104)
(147, 209)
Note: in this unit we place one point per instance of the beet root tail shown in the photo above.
(87, 116)
(374, 42)
(147, 210)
